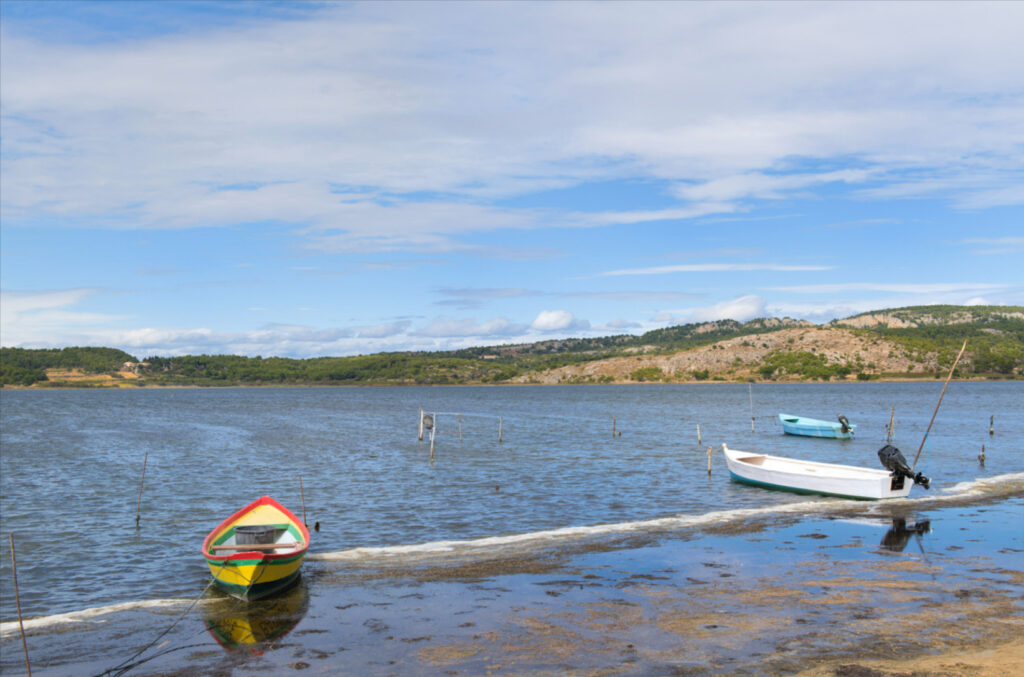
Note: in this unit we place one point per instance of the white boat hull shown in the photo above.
(810, 477)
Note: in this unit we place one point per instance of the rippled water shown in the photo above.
(71, 463)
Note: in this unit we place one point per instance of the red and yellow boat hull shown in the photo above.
(259, 572)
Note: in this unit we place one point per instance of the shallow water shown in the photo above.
(71, 463)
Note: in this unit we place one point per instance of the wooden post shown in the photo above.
(421, 424)
(17, 602)
(944, 386)
(892, 425)
(138, 506)
(981, 456)
(750, 389)
(709, 459)
(992, 424)
(432, 444)
(613, 426)
(698, 435)
(499, 430)
(460, 427)
(302, 495)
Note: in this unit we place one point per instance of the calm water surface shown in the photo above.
(71, 463)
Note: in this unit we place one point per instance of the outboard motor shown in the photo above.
(845, 423)
(893, 461)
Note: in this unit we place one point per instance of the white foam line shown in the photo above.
(566, 533)
(959, 491)
(91, 614)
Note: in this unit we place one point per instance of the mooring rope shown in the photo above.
(130, 663)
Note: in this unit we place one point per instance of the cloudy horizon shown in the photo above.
(307, 179)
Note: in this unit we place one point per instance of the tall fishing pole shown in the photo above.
(948, 378)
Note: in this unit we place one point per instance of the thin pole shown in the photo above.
(499, 430)
(432, 429)
(892, 424)
(302, 495)
(460, 427)
(709, 460)
(421, 424)
(750, 388)
(698, 435)
(992, 424)
(138, 506)
(613, 426)
(948, 378)
(17, 601)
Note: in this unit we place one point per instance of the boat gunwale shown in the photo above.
(253, 555)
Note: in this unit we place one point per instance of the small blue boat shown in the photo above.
(812, 427)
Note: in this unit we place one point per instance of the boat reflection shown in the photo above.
(896, 539)
(254, 626)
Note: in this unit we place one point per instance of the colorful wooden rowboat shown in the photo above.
(810, 477)
(812, 427)
(257, 551)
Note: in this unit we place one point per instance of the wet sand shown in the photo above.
(873, 589)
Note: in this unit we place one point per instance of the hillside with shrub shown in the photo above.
(913, 342)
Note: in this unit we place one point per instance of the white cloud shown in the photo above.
(741, 309)
(557, 320)
(31, 318)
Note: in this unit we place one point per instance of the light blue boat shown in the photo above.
(812, 427)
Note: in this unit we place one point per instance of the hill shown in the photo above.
(913, 342)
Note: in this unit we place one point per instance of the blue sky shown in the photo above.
(305, 179)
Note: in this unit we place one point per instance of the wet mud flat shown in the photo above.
(863, 590)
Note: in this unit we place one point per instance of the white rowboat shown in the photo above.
(810, 477)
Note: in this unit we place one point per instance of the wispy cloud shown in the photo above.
(912, 288)
(713, 267)
(996, 245)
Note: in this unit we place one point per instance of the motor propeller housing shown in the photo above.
(893, 461)
(845, 423)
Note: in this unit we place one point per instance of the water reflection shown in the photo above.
(254, 626)
(896, 539)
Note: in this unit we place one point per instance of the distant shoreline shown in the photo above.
(170, 386)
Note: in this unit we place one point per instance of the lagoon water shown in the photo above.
(71, 463)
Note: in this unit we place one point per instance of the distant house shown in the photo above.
(134, 366)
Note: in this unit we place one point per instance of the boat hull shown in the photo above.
(812, 427)
(809, 477)
(254, 574)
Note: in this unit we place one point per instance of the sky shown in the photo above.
(333, 178)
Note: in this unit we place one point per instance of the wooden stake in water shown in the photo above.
(138, 506)
(981, 456)
(944, 386)
(433, 431)
(460, 427)
(17, 602)
(302, 495)
(709, 459)
(992, 424)
(892, 425)
(698, 435)
(421, 424)
(613, 426)
(499, 430)
(750, 389)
